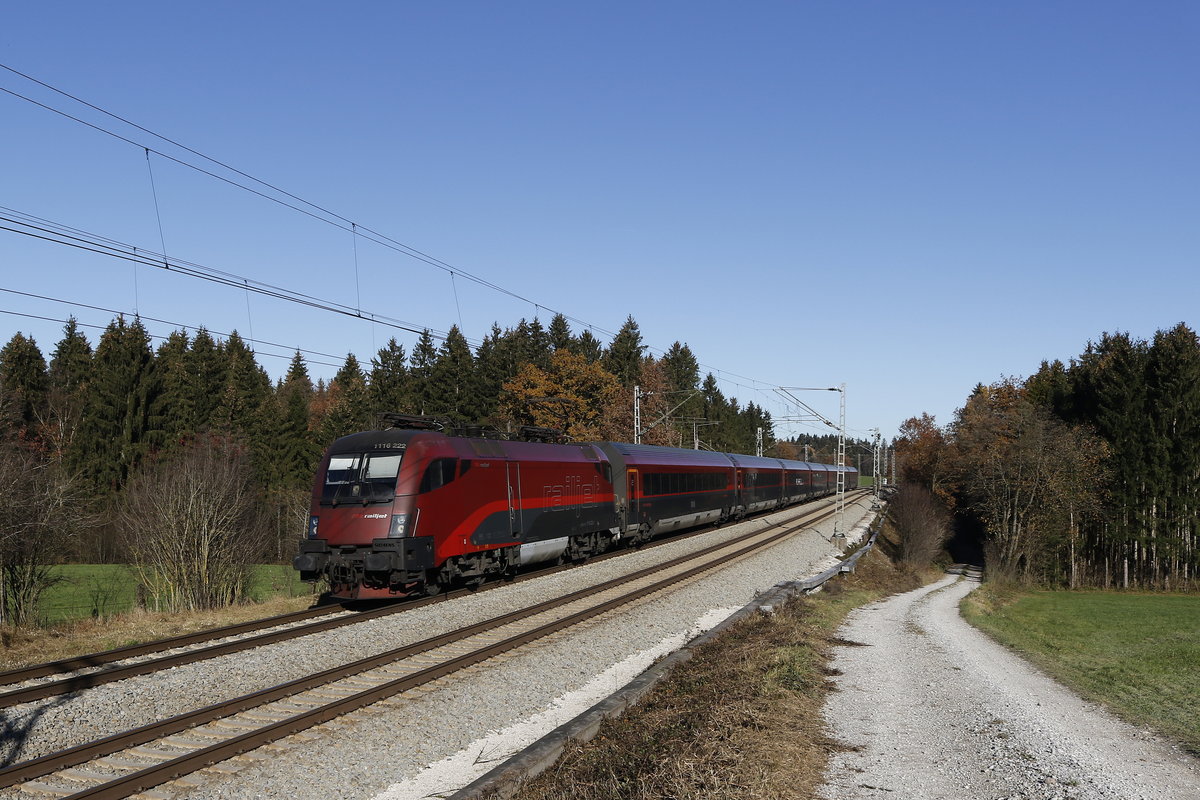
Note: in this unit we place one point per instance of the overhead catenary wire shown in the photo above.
(330, 217)
(177, 325)
(314, 211)
(337, 219)
(158, 337)
(149, 258)
(79, 239)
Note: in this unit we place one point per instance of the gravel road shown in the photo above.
(932, 708)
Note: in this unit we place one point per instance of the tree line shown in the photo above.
(1083, 474)
(101, 447)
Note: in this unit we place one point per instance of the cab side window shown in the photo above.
(439, 472)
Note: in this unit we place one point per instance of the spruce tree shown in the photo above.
(538, 345)
(716, 411)
(491, 372)
(530, 344)
(453, 387)
(683, 370)
(560, 334)
(24, 382)
(424, 356)
(348, 408)
(683, 376)
(1173, 395)
(69, 374)
(625, 354)
(206, 365)
(588, 346)
(1118, 380)
(388, 383)
(71, 364)
(244, 389)
(113, 430)
(295, 449)
(173, 415)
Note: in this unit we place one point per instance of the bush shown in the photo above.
(41, 510)
(192, 525)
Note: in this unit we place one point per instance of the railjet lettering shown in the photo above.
(572, 492)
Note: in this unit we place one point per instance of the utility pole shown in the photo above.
(839, 538)
(637, 414)
(758, 443)
(878, 480)
(839, 535)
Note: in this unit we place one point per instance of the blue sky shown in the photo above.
(908, 198)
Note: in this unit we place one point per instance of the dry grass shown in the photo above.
(741, 719)
(32, 646)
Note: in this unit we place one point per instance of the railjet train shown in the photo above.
(413, 510)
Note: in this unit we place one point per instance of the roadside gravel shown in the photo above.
(932, 708)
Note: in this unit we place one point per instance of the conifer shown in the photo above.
(625, 354)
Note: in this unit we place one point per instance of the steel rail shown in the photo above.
(103, 657)
(76, 683)
(160, 773)
(53, 762)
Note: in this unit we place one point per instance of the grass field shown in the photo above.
(101, 590)
(1138, 654)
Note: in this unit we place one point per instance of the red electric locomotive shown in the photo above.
(410, 509)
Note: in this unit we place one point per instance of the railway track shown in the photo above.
(136, 760)
(97, 669)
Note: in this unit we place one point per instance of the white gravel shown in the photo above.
(935, 709)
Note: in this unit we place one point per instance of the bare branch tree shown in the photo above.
(923, 522)
(41, 510)
(192, 525)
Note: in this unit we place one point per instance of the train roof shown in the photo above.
(654, 454)
(755, 462)
(366, 441)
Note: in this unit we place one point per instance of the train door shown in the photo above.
(633, 516)
(512, 474)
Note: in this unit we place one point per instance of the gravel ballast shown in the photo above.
(367, 753)
(932, 708)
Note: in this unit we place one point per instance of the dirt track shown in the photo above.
(934, 709)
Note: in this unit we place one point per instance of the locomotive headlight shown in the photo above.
(399, 524)
(312, 526)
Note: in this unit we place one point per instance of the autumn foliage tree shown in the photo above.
(570, 395)
(921, 452)
(1025, 474)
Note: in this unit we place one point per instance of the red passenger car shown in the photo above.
(410, 509)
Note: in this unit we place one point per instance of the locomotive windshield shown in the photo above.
(361, 477)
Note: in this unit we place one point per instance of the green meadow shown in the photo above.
(101, 590)
(1138, 654)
